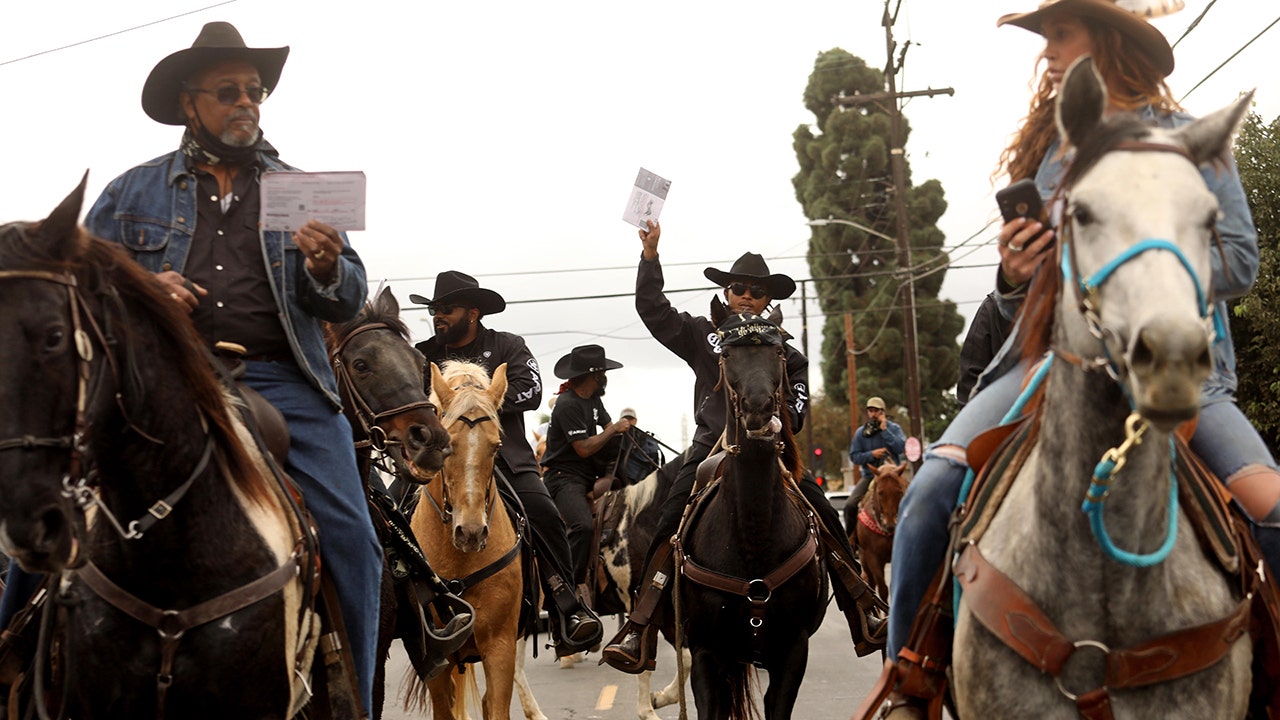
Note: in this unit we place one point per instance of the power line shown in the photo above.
(1233, 57)
(113, 34)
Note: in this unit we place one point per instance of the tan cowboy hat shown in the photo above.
(1150, 41)
(216, 42)
(459, 288)
(752, 268)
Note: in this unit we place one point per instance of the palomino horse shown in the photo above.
(876, 522)
(181, 570)
(632, 514)
(1105, 597)
(462, 524)
(752, 586)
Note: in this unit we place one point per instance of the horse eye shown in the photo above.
(360, 366)
(54, 338)
(1081, 215)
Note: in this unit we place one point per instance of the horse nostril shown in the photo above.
(1143, 355)
(49, 529)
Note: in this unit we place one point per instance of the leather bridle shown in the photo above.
(370, 420)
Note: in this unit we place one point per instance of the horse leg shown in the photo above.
(670, 695)
(711, 681)
(442, 694)
(786, 671)
(527, 700)
(499, 675)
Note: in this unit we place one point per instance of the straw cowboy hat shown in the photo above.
(752, 268)
(216, 42)
(582, 360)
(459, 288)
(875, 402)
(1150, 41)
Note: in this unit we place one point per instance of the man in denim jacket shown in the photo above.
(191, 217)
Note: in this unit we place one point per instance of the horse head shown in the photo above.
(380, 377)
(470, 401)
(49, 370)
(753, 372)
(1137, 233)
(888, 487)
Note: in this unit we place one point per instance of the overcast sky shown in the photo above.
(502, 138)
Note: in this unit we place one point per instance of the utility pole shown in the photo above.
(898, 164)
(851, 367)
(804, 341)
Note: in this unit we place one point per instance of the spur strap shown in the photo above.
(1005, 609)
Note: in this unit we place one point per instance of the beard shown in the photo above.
(236, 138)
(452, 335)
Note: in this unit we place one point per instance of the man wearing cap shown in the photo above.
(458, 306)
(878, 441)
(574, 445)
(191, 217)
(749, 288)
(643, 454)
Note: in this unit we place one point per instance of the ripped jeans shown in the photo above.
(1224, 439)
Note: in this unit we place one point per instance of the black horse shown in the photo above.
(184, 576)
(752, 586)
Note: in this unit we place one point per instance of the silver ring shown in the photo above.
(320, 255)
(1014, 248)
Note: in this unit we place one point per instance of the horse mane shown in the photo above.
(1037, 311)
(469, 381)
(790, 451)
(105, 270)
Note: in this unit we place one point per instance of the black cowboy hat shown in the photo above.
(216, 42)
(751, 267)
(582, 360)
(459, 288)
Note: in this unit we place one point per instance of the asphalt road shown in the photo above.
(835, 682)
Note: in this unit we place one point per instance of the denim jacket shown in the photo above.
(151, 211)
(1233, 270)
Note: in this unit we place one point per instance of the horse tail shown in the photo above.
(465, 689)
(742, 681)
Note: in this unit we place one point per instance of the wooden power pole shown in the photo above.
(898, 164)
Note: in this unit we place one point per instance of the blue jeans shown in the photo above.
(322, 462)
(1224, 439)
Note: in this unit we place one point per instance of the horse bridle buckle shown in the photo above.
(1057, 679)
(758, 591)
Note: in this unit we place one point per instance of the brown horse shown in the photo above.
(463, 526)
(872, 534)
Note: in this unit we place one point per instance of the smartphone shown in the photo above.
(1021, 199)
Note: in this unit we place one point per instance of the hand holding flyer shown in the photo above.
(290, 199)
(647, 197)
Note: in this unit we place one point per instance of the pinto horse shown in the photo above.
(181, 569)
(1106, 597)
(877, 520)
(753, 588)
(463, 526)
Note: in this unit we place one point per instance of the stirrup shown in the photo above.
(646, 656)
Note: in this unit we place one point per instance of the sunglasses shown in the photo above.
(230, 94)
(443, 309)
(757, 291)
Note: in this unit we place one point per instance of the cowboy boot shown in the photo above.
(904, 707)
(634, 648)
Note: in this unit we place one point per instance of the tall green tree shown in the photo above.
(1255, 318)
(845, 174)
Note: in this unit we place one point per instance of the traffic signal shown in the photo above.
(818, 474)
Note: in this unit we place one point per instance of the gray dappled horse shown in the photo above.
(1138, 226)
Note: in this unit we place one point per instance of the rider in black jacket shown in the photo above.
(748, 288)
(458, 306)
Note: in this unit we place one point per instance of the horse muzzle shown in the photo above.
(427, 448)
(1168, 362)
(769, 431)
(46, 542)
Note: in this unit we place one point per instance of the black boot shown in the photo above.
(632, 650)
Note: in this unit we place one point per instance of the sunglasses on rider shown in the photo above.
(443, 309)
(230, 94)
(757, 291)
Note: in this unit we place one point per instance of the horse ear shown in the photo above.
(60, 229)
(1209, 139)
(387, 305)
(874, 470)
(719, 311)
(441, 393)
(1082, 101)
(498, 385)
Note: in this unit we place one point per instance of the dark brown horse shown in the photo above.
(877, 520)
(380, 379)
(752, 587)
(191, 575)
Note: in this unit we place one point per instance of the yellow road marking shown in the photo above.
(607, 693)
